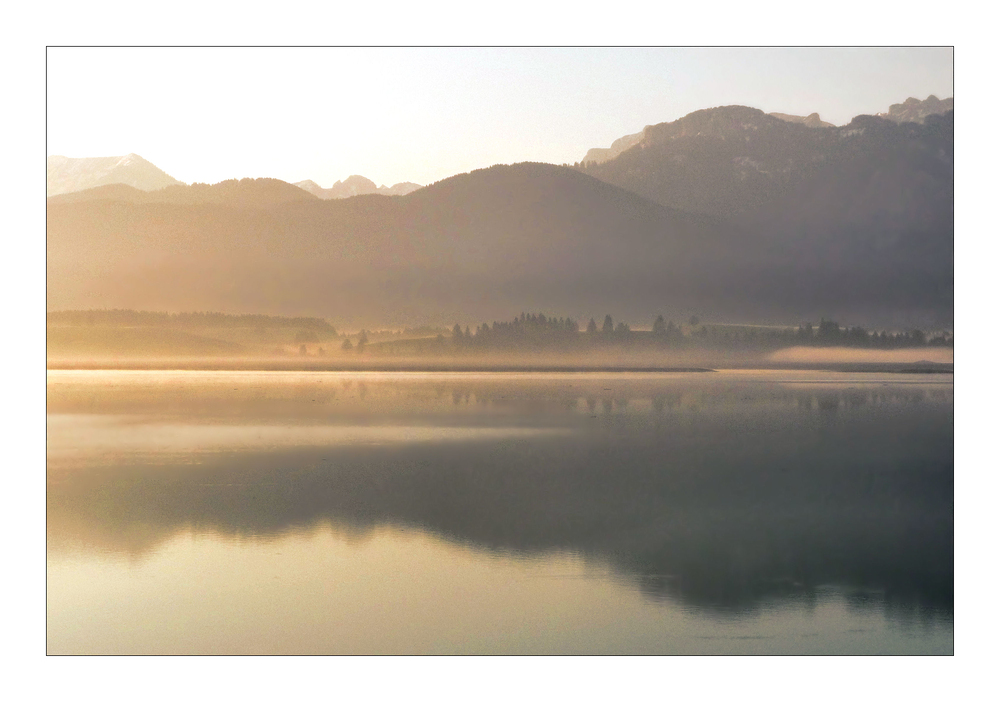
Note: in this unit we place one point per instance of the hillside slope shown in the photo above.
(473, 245)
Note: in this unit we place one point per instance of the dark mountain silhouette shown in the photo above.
(473, 246)
(248, 193)
(842, 205)
(734, 162)
(914, 110)
(356, 185)
(66, 175)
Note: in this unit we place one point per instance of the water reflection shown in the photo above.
(729, 494)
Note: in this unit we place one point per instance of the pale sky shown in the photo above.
(421, 115)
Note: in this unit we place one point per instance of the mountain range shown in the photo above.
(912, 110)
(874, 195)
(728, 212)
(356, 185)
(754, 170)
(474, 244)
(69, 175)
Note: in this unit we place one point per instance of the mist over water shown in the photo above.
(287, 512)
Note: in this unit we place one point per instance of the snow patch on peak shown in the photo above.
(130, 159)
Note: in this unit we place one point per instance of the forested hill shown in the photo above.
(245, 193)
(474, 244)
(468, 247)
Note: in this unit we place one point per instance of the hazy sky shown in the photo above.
(392, 115)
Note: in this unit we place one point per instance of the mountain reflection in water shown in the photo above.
(726, 494)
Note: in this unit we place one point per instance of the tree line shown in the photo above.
(535, 330)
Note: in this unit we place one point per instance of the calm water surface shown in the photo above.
(285, 512)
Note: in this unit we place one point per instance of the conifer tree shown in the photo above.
(659, 326)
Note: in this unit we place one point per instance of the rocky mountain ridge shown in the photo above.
(910, 110)
(598, 155)
(914, 110)
(619, 146)
(356, 185)
(812, 120)
(739, 164)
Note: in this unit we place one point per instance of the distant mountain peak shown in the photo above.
(355, 185)
(359, 180)
(67, 175)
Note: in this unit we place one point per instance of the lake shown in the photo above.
(283, 512)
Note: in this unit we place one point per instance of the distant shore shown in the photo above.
(366, 367)
(298, 365)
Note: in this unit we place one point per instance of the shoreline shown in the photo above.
(377, 368)
(293, 366)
